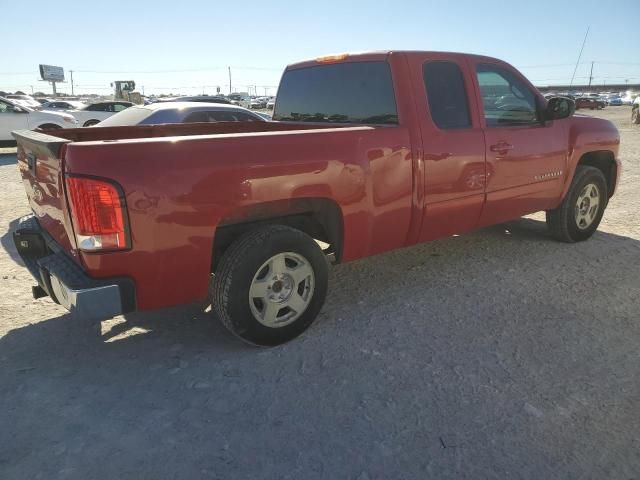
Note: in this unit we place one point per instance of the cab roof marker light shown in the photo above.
(332, 58)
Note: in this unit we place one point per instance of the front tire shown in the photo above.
(270, 285)
(579, 214)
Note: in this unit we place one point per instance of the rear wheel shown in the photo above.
(270, 285)
(579, 214)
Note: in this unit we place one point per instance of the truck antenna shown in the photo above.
(580, 55)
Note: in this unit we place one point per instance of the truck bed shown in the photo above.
(177, 130)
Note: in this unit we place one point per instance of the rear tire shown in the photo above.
(579, 214)
(270, 285)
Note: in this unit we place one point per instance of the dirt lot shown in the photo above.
(499, 354)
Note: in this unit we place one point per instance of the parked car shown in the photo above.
(64, 105)
(589, 102)
(88, 115)
(240, 100)
(635, 111)
(259, 102)
(24, 100)
(628, 98)
(42, 101)
(247, 214)
(17, 117)
(271, 103)
(198, 98)
(181, 112)
(614, 100)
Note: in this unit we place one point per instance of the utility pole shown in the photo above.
(31, 89)
(591, 74)
(71, 71)
(229, 80)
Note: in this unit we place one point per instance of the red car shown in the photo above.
(367, 153)
(592, 103)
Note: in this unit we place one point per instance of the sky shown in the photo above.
(187, 46)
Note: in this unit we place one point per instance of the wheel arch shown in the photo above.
(603, 160)
(320, 218)
(49, 126)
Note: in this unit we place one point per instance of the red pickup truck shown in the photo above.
(367, 153)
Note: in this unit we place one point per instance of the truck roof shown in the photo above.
(376, 55)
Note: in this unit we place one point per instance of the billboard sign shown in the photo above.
(51, 73)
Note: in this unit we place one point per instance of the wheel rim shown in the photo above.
(587, 206)
(281, 290)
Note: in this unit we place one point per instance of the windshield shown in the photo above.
(356, 92)
(130, 116)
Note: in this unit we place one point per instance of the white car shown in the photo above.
(26, 100)
(241, 100)
(19, 117)
(88, 115)
(271, 103)
(628, 98)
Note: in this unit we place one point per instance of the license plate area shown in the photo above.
(30, 243)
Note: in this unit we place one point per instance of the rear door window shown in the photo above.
(446, 94)
(356, 92)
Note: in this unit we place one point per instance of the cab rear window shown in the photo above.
(356, 92)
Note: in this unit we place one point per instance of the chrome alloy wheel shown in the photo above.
(281, 289)
(586, 209)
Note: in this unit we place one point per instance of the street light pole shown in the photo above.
(71, 71)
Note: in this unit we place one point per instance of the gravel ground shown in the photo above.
(498, 354)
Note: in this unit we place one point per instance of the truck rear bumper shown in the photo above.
(62, 279)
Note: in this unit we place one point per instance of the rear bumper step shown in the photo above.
(62, 279)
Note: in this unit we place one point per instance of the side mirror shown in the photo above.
(559, 107)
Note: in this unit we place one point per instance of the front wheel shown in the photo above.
(579, 214)
(270, 285)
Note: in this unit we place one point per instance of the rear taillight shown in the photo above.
(98, 213)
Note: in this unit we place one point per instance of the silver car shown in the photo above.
(180, 112)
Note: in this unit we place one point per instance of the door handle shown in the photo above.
(501, 147)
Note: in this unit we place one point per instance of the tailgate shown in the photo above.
(40, 160)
